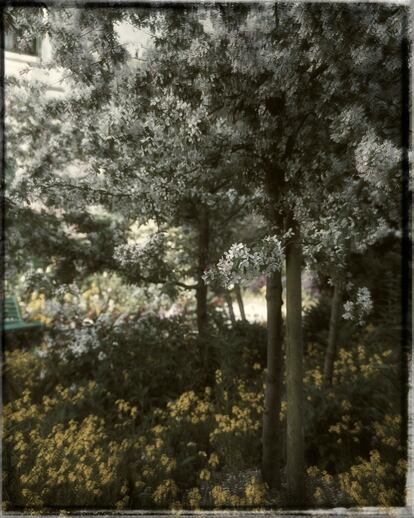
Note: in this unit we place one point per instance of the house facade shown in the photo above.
(26, 59)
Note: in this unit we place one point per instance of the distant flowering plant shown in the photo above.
(242, 263)
(359, 308)
(238, 262)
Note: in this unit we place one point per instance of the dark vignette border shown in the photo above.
(406, 361)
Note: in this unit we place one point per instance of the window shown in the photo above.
(16, 43)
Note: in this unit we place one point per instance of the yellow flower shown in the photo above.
(213, 460)
(283, 410)
(158, 429)
(204, 474)
(312, 471)
(194, 497)
(335, 428)
(219, 376)
(164, 491)
(255, 492)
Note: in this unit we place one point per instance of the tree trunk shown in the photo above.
(333, 334)
(201, 290)
(229, 302)
(294, 369)
(271, 438)
(201, 299)
(240, 302)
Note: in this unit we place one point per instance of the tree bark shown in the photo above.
(271, 437)
(229, 302)
(240, 302)
(294, 369)
(201, 299)
(333, 334)
(201, 290)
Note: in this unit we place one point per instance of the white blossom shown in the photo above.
(242, 263)
(358, 309)
(375, 160)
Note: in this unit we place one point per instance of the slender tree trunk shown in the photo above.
(240, 302)
(333, 334)
(294, 369)
(271, 438)
(201, 290)
(229, 302)
(201, 299)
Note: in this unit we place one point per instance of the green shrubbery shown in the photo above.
(115, 408)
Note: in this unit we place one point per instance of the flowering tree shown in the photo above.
(326, 185)
(137, 143)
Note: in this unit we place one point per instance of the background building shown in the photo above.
(31, 60)
(26, 59)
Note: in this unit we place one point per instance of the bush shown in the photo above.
(115, 409)
(112, 408)
(67, 452)
(340, 420)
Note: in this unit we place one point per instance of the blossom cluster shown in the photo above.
(357, 310)
(241, 262)
(375, 160)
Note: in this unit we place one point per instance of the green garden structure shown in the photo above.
(12, 318)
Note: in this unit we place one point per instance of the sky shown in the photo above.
(133, 38)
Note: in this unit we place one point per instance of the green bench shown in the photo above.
(12, 318)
